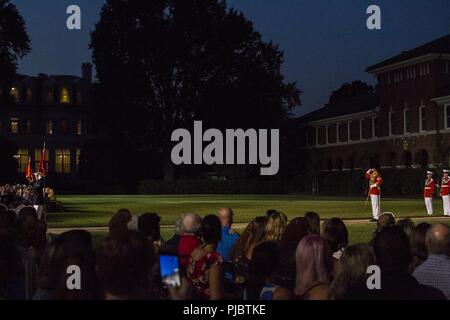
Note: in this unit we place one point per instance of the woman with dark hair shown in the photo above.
(314, 222)
(72, 248)
(418, 248)
(335, 231)
(253, 235)
(259, 286)
(205, 268)
(314, 264)
(407, 225)
(296, 230)
(351, 269)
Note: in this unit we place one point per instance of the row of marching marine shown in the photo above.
(375, 182)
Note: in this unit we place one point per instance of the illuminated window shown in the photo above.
(37, 159)
(22, 158)
(64, 127)
(15, 94)
(79, 128)
(28, 127)
(49, 127)
(65, 95)
(29, 96)
(62, 161)
(14, 126)
(78, 159)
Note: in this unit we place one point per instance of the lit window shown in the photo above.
(22, 158)
(14, 126)
(78, 159)
(79, 128)
(62, 161)
(37, 159)
(49, 127)
(65, 96)
(15, 94)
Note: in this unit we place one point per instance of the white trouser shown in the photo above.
(376, 211)
(429, 205)
(39, 211)
(446, 202)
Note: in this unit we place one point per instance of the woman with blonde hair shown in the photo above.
(276, 225)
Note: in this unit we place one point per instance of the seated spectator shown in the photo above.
(385, 220)
(418, 246)
(148, 225)
(271, 212)
(276, 224)
(314, 264)
(296, 230)
(257, 234)
(189, 240)
(314, 222)
(70, 248)
(351, 269)
(119, 222)
(15, 283)
(407, 225)
(229, 236)
(172, 244)
(124, 266)
(260, 286)
(30, 235)
(393, 255)
(205, 269)
(335, 231)
(435, 271)
(28, 211)
(7, 219)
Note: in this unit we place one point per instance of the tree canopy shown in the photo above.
(163, 64)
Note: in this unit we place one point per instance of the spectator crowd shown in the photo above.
(272, 259)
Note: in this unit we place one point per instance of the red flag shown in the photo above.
(42, 169)
(29, 172)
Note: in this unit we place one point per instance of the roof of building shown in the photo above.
(441, 45)
(347, 106)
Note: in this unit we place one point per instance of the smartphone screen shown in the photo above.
(170, 270)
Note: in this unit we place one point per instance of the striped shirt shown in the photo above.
(435, 272)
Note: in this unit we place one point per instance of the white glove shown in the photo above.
(374, 186)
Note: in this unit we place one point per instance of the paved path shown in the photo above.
(243, 225)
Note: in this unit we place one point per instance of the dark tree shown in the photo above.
(14, 44)
(350, 90)
(162, 64)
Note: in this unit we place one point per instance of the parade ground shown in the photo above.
(94, 212)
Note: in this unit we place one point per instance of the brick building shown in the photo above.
(55, 109)
(406, 123)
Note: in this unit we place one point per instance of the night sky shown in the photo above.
(326, 42)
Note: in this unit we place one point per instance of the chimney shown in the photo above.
(86, 72)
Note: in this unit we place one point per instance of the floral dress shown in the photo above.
(198, 272)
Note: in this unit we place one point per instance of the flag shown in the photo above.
(29, 172)
(42, 169)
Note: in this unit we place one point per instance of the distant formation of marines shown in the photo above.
(374, 193)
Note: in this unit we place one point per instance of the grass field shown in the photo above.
(95, 211)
